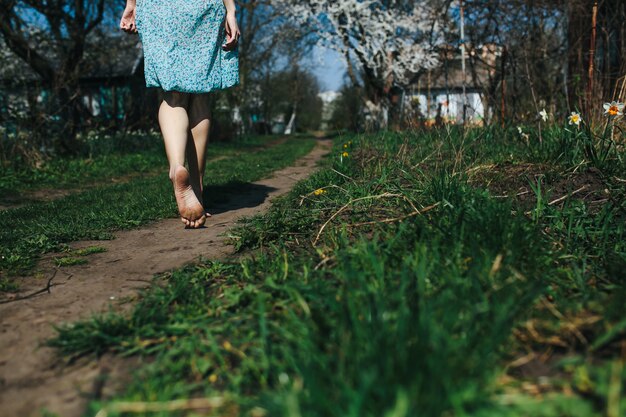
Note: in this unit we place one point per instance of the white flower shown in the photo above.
(520, 130)
(614, 108)
(575, 119)
(544, 115)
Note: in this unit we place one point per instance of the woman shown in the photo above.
(182, 55)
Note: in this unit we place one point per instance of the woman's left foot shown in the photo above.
(191, 211)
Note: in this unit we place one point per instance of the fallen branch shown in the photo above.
(36, 293)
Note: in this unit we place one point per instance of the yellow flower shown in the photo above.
(345, 154)
(212, 378)
(614, 108)
(227, 346)
(575, 119)
(345, 146)
(319, 191)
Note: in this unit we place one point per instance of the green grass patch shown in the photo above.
(90, 250)
(69, 261)
(121, 157)
(408, 277)
(28, 232)
(77, 257)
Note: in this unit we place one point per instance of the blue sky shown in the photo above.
(328, 67)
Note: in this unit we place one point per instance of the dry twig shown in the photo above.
(397, 219)
(558, 200)
(36, 293)
(348, 204)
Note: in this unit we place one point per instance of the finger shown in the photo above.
(233, 39)
(229, 46)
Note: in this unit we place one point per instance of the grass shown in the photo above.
(417, 282)
(105, 157)
(28, 232)
(77, 257)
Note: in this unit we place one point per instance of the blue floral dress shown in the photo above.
(182, 44)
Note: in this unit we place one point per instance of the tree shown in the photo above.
(549, 48)
(51, 37)
(388, 42)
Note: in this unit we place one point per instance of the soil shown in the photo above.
(513, 181)
(33, 377)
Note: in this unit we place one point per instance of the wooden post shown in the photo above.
(592, 56)
(503, 93)
(115, 107)
(428, 103)
(462, 10)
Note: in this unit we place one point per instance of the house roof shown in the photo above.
(481, 67)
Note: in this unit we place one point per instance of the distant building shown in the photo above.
(438, 95)
(112, 86)
(328, 99)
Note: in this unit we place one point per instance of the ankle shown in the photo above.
(173, 170)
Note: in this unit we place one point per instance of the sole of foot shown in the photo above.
(192, 213)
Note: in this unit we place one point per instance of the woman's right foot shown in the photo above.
(191, 211)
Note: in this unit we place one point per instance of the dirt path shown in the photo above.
(32, 378)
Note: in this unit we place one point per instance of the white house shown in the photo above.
(439, 92)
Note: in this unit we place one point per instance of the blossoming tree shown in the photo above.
(389, 43)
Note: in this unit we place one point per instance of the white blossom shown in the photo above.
(389, 43)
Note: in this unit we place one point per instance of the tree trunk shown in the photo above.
(67, 96)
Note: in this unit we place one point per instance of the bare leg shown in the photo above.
(200, 123)
(174, 122)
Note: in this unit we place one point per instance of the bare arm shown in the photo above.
(230, 6)
(128, 23)
(232, 28)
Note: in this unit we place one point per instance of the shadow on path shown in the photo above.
(235, 195)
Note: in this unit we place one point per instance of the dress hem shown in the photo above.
(192, 91)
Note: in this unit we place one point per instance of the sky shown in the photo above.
(329, 68)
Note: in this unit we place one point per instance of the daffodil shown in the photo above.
(575, 119)
(345, 154)
(614, 108)
(544, 115)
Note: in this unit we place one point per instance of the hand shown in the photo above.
(232, 32)
(128, 23)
